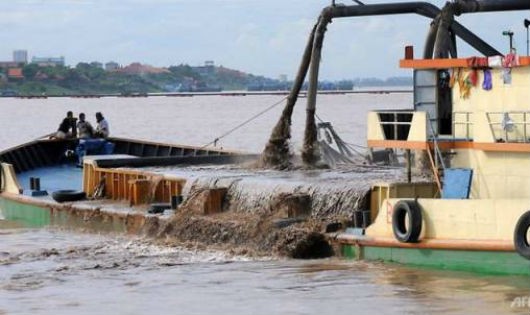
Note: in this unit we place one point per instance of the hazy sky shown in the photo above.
(263, 37)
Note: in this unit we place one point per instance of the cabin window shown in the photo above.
(395, 124)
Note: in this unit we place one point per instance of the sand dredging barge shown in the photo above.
(460, 216)
(185, 194)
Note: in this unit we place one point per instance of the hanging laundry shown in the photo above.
(454, 77)
(487, 84)
(511, 60)
(461, 80)
(464, 83)
(477, 62)
(507, 76)
(495, 61)
(473, 77)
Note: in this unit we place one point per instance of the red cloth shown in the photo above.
(473, 77)
(477, 62)
(510, 60)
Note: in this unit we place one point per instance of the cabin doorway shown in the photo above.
(432, 94)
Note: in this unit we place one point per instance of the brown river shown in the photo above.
(59, 271)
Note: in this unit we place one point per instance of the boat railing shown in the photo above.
(511, 126)
(462, 125)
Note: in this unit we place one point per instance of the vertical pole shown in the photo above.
(409, 166)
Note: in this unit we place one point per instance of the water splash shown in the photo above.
(333, 192)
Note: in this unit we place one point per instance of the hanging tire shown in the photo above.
(520, 241)
(68, 195)
(402, 210)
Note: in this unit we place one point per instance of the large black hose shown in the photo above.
(444, 30)
(430, 11)
(428, 48)
(442, 46)
(473, 6)
(277, 153)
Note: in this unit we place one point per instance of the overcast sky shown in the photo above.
(263, 37)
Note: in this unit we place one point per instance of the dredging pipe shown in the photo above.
(310, 154)
(277, 153)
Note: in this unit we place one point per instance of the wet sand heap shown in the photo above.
(266, 212)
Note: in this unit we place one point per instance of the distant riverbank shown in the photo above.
(137, 80)
(378, 90)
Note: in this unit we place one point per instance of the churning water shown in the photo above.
(53, 271)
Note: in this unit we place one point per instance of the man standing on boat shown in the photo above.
(102, 129)
(67, 128)
(84, 128)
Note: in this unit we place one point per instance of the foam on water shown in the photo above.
(54, 253)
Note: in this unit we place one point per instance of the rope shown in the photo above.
(214, 141)
(349, 145)
(371, 166)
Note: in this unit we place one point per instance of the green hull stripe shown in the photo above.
(476, 261)
(34, 217)
(27, 215)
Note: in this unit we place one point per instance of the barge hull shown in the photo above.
(488, 262)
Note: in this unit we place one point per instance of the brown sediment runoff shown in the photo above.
(255, 213)
(269, 212)
(249, 234)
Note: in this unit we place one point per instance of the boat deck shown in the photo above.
(53, 178)
(253, 189)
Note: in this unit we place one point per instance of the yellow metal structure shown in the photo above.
(490, 135)
(380, 192)
(10, 182)
(138, 187)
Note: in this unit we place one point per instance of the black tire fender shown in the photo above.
(520, 241)
(402, 210)
(68, 195)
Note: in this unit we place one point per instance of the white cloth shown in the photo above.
(495, 61)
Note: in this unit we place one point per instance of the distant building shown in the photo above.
(15, 73)
(282, 78)
(96, 64)
(112, 66)
(138, 68)
(20, 56)
(208, 68)
(48, 61)
(8, 64)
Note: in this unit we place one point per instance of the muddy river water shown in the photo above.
(59, 271)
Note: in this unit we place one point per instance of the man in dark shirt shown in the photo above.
(67, 128)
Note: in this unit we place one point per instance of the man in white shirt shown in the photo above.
(84, 128)
(102, 128)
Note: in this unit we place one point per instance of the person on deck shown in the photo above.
(67, 128)
(84, 128)
(102, 128)
(96, 145)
